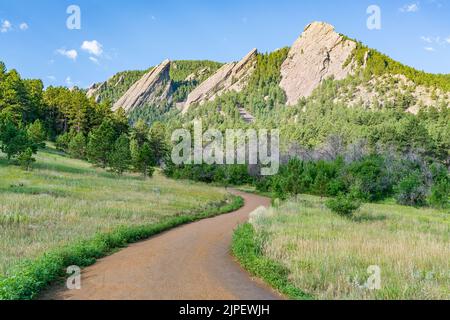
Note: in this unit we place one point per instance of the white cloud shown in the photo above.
(6, 26)
(426, 39)
(69, 82)
(94, 60)
(429, 49)
(447, 40)
(413, 7)
(23, 26)
(51, 78)
(93, 47)
(71, 54)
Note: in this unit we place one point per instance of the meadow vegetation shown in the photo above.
(65, 201)
(326, 255)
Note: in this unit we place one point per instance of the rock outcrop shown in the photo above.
(319, 53)
(153, 88)
(231, 77)
(95, 90)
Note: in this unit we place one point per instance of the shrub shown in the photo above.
(411, 190)
(37, 134)
(343, 205)
(440, 195)
(62, 142)
(26, 159)
(77, 146)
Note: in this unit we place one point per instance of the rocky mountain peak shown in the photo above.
(154, 87)
(231, 77)
(318, 54)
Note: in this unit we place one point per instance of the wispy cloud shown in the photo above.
(94, 60)
(71, 54)
(69, 82)
(23, 26)
(93, 47)
(426, 39)
(51, 78)
(413, 7)
(429, 49)
(5, 26)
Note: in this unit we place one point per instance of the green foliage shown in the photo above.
(411, 190)
(248, 251)
(13, 138)
(119, 158)
(378, 64)
(62, 142)
(370, 178)
(77, 146)
(113, 89)
(197, 71)
(32, 277)
(101, 143)
(37, 134)
(343, 205)
(440, 191)
(25, 159)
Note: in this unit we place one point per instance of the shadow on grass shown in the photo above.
(33, 191)
(367, 217)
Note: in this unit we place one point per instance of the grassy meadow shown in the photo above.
(327, 256)
(64, 200)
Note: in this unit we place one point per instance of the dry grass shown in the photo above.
(328, 255)
(64, 200)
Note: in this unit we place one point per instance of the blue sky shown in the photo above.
(136, 34)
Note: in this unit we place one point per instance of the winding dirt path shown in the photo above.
(191, 262)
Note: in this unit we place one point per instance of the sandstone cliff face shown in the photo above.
(319, 53)
(231, 77)
(154, 87)
(95, 90)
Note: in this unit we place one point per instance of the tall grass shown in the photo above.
(328, 256)
(65, 202)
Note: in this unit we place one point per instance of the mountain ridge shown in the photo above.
(319, 54)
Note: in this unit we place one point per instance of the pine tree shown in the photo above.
(77, 146)
(25, 159)
(36, 133)
(120, 157)
(101, 143)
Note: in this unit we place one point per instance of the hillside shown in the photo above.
(251, 89)
(58, 205)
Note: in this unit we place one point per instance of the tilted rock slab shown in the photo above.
(319, 53)
(231, 77)
(153, 88)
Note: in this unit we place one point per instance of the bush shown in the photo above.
(411, 190)
(77, 146)
(62, 142)
(343, 205)
(440, 195)
(26, 159)
(440, 191)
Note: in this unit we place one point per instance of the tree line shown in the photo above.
(30, 115)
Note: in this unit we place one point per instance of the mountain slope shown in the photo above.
(362, 78)
(320, 53)
(153, 87)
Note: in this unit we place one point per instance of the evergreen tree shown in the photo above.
(119, 159)
(77, 146)
(36, 133)
(25, 159)
(101, 143)
(142, 158)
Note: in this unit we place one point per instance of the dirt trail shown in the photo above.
(191, 262)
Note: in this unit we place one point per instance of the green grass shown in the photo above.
(327, 256)
(247, 251)
(65, 212)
